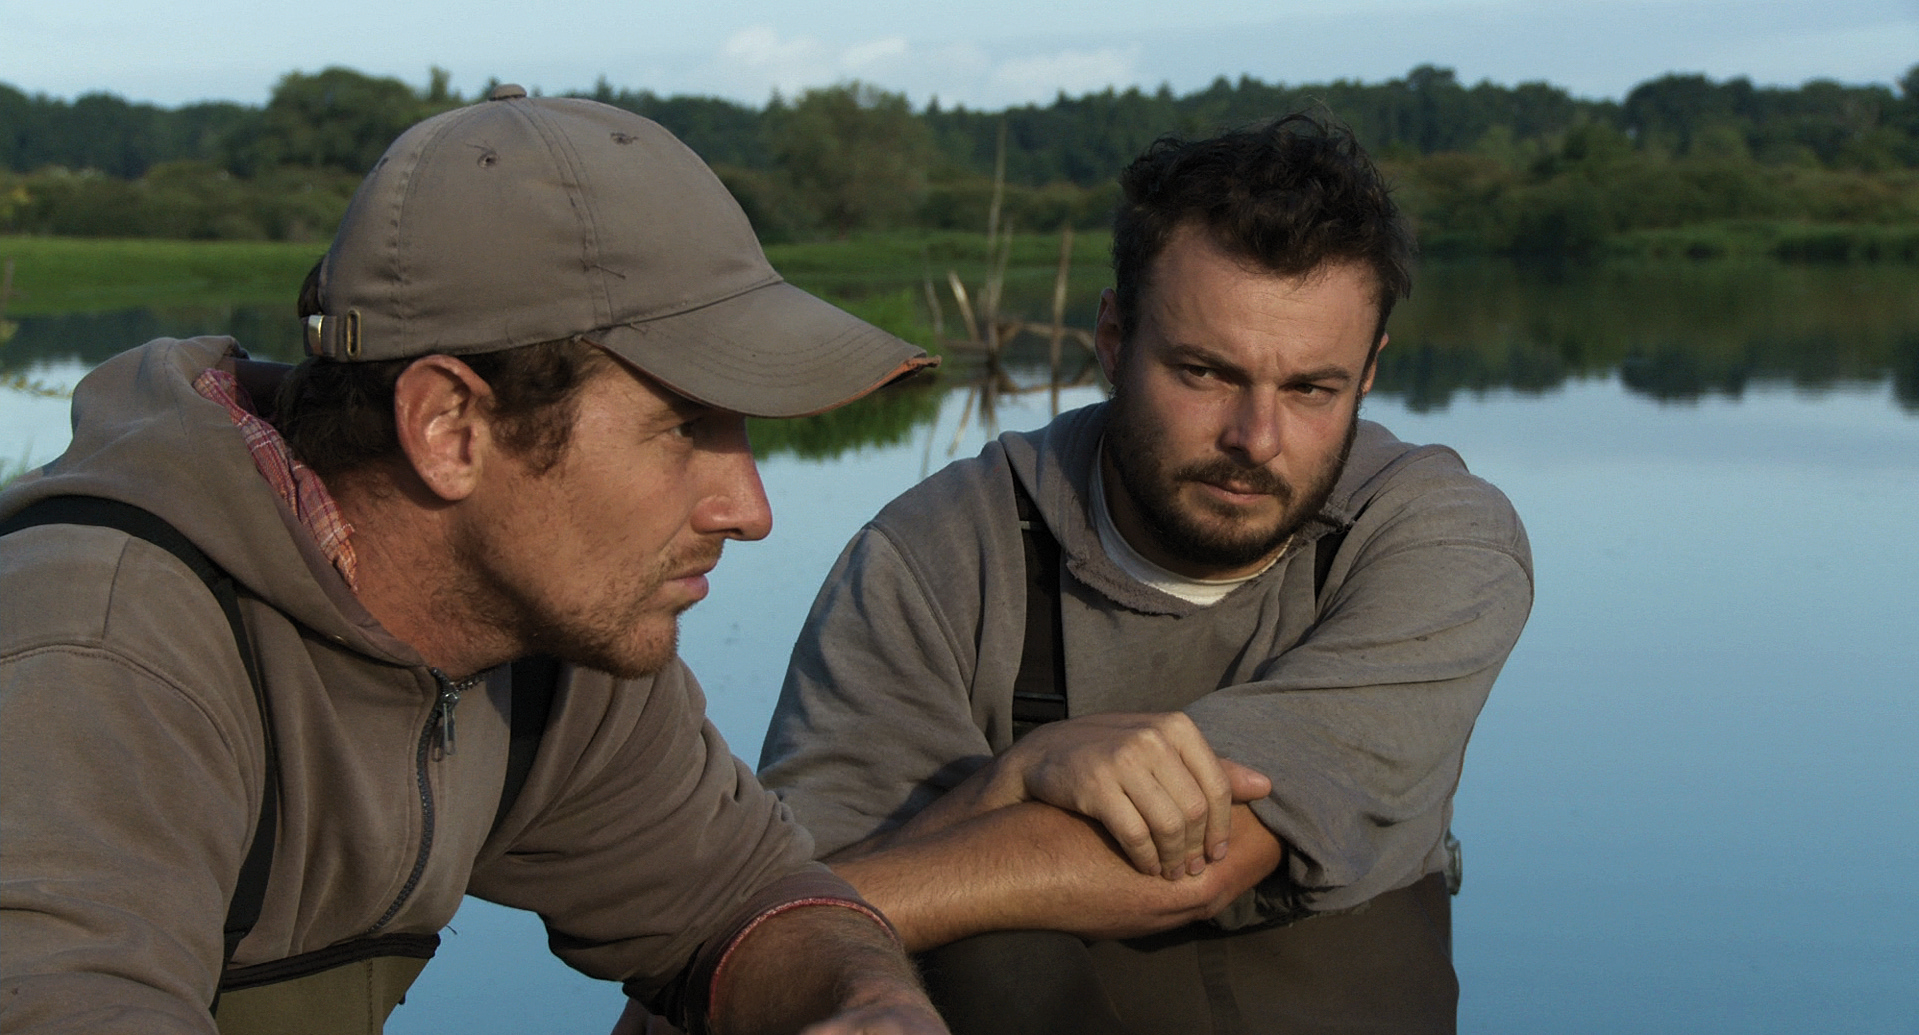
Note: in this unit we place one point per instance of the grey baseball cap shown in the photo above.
(520, 220)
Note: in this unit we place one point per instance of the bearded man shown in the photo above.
(1149, 721)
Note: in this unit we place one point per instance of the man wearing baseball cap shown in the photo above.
(293, 659)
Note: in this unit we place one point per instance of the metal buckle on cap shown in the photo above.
(321, 330)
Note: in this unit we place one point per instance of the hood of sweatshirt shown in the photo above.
(142, 435)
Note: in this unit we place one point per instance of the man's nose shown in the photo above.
(736, 507)
(1253, 427)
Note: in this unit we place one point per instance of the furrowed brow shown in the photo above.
(1199, 355)
(1322, 375)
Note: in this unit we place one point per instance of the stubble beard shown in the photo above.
(630, 639)
(1211, 534)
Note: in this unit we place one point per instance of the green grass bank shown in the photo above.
(66, 274)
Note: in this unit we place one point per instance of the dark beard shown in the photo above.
(1221, 543)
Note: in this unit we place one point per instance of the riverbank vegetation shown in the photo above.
(1673, 327)
(880, 274)
(1682, 166)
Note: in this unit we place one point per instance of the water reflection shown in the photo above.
(1675, 332)
(267, 331)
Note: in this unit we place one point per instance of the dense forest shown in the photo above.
(1682, 164)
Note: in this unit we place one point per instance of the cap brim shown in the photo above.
(774, 351)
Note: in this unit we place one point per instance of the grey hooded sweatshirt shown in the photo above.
(1357, 701)
(131, 755)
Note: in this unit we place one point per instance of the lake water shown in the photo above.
(1692, 802)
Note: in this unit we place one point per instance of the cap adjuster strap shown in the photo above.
(334, 337)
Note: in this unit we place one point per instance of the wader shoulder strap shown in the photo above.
(1039, 691)
(535, 680)
(249, 894)
(1324, 549)
(353, 986)
(391, 959)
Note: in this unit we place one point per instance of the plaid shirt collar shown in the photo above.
(294, 482)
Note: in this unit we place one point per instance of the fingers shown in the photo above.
(1197, 785)
(1248, 784)
(1151, 780)
(1158, 815)
(1211, 776)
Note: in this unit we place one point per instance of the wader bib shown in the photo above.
(349, 988)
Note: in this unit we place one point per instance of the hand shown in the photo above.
(1032, 866)
(1150, 779)
(1099, 901)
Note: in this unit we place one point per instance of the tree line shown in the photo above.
(1822, 170)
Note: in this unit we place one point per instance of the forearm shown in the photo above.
(814, 962)
(988, 789)
(1031, 866)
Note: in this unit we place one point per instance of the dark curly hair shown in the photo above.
(1290, 195)
(338, 417)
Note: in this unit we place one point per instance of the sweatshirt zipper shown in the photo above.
(439, 721)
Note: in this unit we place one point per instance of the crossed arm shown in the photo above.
(1361, 725)
(1108, 826)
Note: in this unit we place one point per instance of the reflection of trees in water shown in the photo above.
(1671, 332)
(1674, 332)
(265, 331)
(1427, 373)
(886, 417)
(1905, 372)
(893, 415)
(987, 382)
(1677, 375)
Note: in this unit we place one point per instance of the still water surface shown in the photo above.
(1692, 802)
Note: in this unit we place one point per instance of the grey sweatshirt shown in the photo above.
(131, 753)
(1358, 704)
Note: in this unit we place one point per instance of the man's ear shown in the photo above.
(440, 412)
(1372, 364)
(1108, 336)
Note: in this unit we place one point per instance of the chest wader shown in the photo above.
(350, 987)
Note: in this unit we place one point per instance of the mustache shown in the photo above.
(702, 556)
(1241, 478)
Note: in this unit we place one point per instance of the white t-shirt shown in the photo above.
(1193, 591)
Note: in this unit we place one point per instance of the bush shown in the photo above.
(963, 203)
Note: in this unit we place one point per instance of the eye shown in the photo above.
(1199, 373)
(692, 423)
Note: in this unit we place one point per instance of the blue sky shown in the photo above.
(983, 53)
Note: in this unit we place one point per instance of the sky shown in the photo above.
(982, 53)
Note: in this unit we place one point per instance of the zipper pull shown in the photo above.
(450, 692)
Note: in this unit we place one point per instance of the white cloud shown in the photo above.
(883, 52)
(760, 52)
(1039, 77)
(758, 60)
